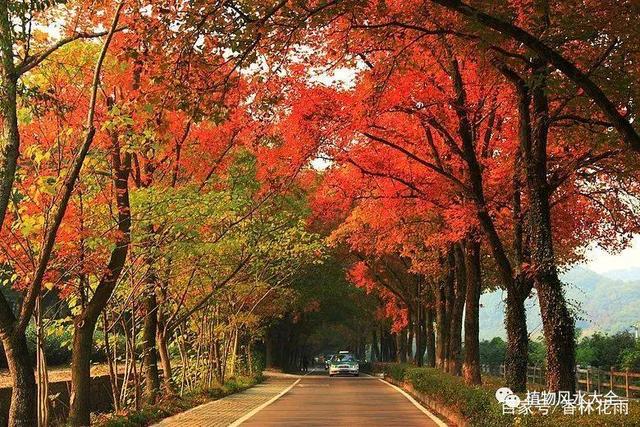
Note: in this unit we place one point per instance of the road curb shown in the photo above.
(415, 403)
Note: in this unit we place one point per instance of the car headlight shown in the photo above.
(357, 366)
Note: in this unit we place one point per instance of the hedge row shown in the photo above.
(478, 404)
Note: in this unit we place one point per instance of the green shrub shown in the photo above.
(393, 370)
(630, 358)
(57, 348)
(478, 404)
(475, 403)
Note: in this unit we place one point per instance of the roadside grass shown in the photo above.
(172, 405)
(478, 404)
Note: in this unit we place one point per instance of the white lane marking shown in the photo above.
(250, 414)
(435, 419)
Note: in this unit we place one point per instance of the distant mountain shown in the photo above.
(626, 275)
(607, 302)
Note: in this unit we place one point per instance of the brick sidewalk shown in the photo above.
(224, 411)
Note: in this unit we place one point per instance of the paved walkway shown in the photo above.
(225, 411)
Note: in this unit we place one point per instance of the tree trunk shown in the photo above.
(515, 320)
(444, 305)
(471, 368)
(392, 348)
(411, 331)
(430, 339)
(375, 349)
(558, 324)
(442, 327)
(420, 334)
(10, 149)
(80, 399)
(384, 349)
(457, 310)
(268, 350)
(401, 345)
(22, 411)
(165, 361)
(150, 354)
(558, 328)
(112, 361)
(85, 322)
(517, 342)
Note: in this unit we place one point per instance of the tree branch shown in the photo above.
(581, 79)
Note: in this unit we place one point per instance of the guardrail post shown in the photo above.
(611, 380)
(626, 381)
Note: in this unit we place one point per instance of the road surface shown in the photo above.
(317, 400)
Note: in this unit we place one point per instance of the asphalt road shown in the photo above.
(317, 400)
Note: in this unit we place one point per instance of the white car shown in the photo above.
(344, 363)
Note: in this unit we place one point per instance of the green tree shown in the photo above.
(603, 351)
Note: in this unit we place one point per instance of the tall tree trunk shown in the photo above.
(401, 345)
(165, 361)
(517, 341)
(471, 368)
(558, 324)
(162, 339)
(80, 409)
(420, 334)
(85, 322)
(22, 411)
(515, 319)
(391, 347)
(23, 401)
(457, 310)
(430, 339)
(375, 349)
(149, 332)
(112, 361)
(442, 322)
(268, 350)
(384, 349)
(410, 334)
(10, 148)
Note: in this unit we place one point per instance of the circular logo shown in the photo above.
(502, 393)
(512, 401)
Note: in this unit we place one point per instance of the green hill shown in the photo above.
(602, 302)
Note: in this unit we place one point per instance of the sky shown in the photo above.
(601, 261)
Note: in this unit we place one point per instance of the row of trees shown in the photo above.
(155, 159)
(603, 351)
(132, 203)
(468, 147)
